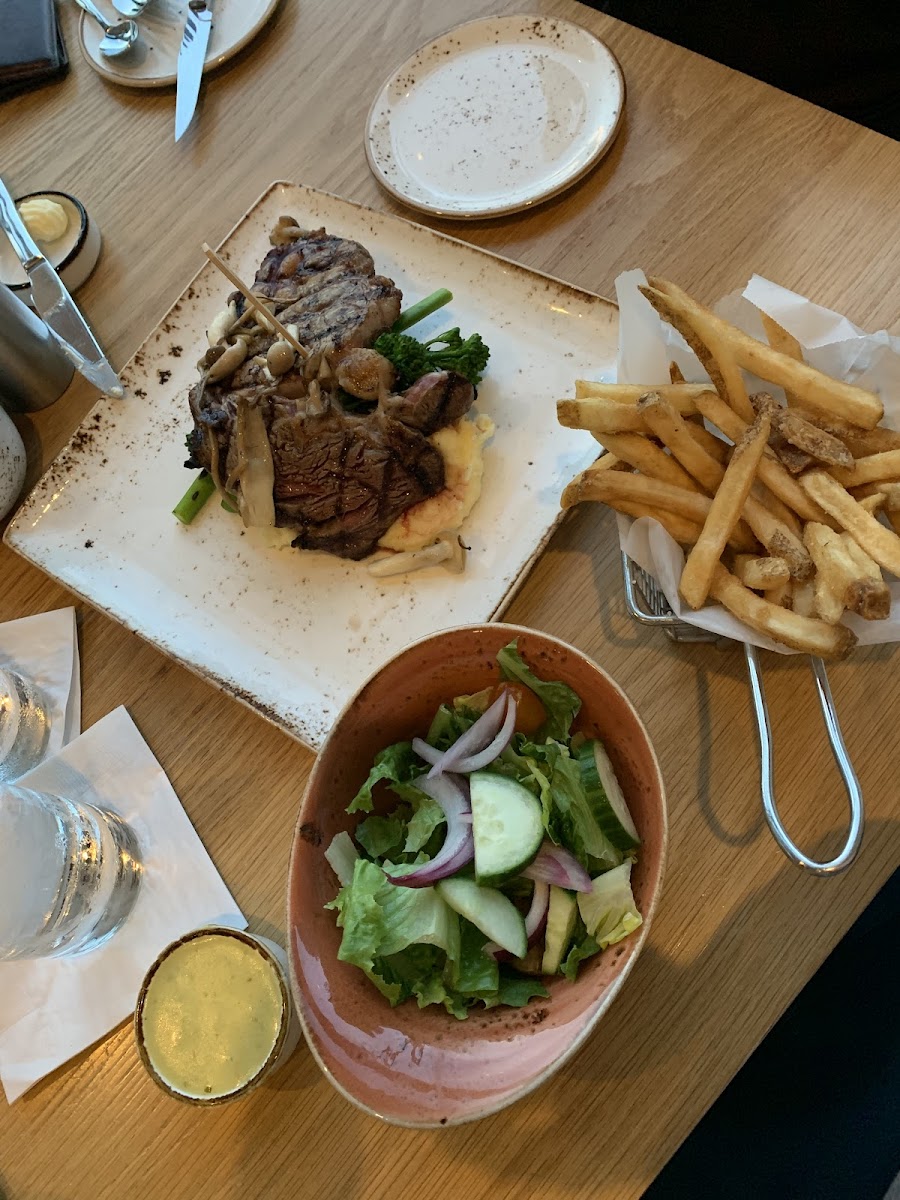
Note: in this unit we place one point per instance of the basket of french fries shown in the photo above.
(755, 475)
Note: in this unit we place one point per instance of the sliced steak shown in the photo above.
(342, 480)
(435, 400)
(328, 288)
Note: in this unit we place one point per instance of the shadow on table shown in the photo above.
(616, 1059)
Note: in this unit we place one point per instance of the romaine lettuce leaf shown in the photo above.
(560, 702)
(397, 764)
(380, 918)
(383, 837)
(608, 910)
(582, 946)
(425, 820)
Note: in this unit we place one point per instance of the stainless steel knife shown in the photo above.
(53, 302)
(191, 58)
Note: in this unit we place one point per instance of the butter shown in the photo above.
(44, 219)
(211, 1016)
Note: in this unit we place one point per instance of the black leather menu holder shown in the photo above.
(32, 51)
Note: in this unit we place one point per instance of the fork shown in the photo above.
(656, 611)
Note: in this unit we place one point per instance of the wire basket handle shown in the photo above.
(841, 757)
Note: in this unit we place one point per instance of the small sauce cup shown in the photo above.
(214, 1016)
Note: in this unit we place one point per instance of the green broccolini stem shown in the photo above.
(421, 310)
(194, 498)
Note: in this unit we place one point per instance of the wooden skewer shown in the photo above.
(255, 303)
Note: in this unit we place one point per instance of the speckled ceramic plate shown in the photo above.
(153, 61)
(495, 116)
(293, 634)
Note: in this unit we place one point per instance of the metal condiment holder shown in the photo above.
(648, 605)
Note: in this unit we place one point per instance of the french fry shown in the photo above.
(863, 442)
(684, 532)
(713, 446)
(795, 460)
(783, 595)
(890, 491)
(860, 442)
(779, 338)
(600, 416)
(874, 503)
(646, 457)
(673, 431)
(724, 514)
(771, 472)
(797, 441)
(869, 596)
(682, 395)
(705, 333)
(777, 507)
(616, 487)
(880, 543)
(779, 539)
(803, 596)
(836, 571)
(780, 535)
(675, 373)
(813, 440)
(873, 468)
(788, 627)
(761, 574)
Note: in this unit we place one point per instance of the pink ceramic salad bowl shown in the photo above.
(423, 1067)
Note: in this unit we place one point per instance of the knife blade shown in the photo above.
(54, 304)
(191, 58)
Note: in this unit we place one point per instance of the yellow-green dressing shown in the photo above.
(211, 1015)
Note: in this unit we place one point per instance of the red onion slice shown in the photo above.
(536, 917)
(475, 738)
(427, 753)
(554, 864)
(458, 849)
(494, 748)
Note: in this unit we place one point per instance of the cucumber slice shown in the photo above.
(507, 824)
(560, 923)
(605, 796)
(488, 910)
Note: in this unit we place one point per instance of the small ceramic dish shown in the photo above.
(214, 1016)
(422, 1067)
(73, 256)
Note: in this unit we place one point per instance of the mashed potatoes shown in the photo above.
(461, 446)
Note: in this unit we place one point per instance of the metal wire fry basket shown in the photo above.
(647, 604)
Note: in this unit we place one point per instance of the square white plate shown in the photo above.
(294, 634)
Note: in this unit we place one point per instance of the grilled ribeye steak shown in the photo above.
(327, 287)
(341, 478)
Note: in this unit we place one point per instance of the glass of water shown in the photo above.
(69, 874)
(24, 724)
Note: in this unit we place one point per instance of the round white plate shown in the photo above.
(153, 61)
(495, 116)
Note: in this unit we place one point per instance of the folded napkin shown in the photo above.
(32, 50)
(52, 1008)
(45, 648)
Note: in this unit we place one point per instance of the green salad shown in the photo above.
(506, 858)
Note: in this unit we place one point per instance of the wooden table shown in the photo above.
(714, 176)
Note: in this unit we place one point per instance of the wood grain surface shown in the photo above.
(713, 177)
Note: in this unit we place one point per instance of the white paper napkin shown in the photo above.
(830, 342)
(45, 648)
(52, 1008)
